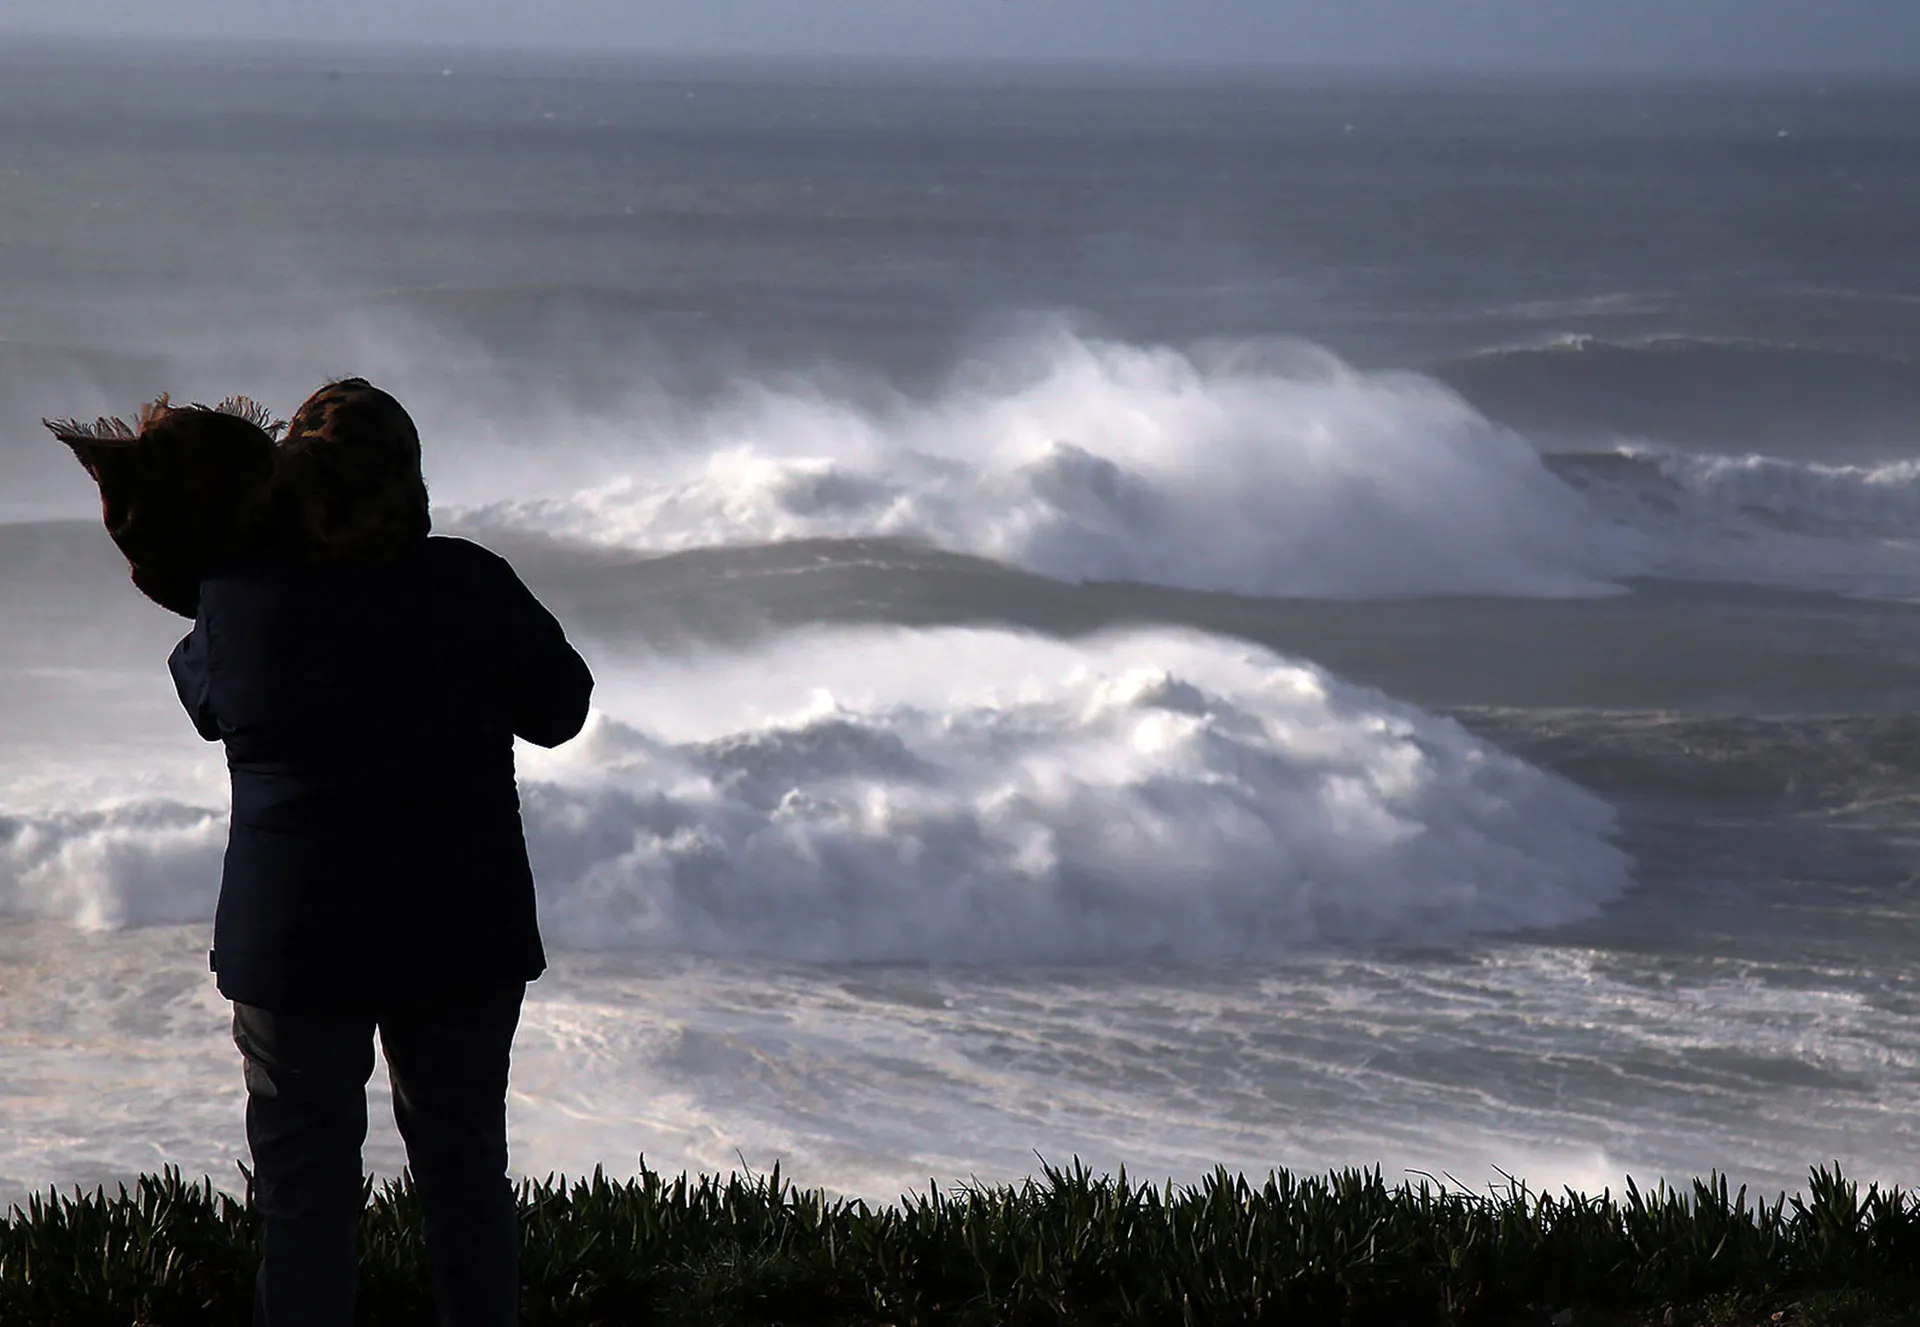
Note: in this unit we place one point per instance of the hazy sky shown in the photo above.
(1825, 35)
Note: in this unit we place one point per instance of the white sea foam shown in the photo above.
(970, 796)
(1554, 1063)
(1256, 469)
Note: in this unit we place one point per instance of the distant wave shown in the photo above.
(1674, 348)
(1853, 529)
(1699, 391)
(971, 796)
(1810, 497)
(1271, 470)
(1857, 769)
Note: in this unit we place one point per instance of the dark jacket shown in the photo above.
(369, 713)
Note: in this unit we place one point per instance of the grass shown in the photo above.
(1066, 1247)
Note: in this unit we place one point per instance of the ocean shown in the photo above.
(1174, 618)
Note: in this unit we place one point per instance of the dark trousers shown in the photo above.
(306, 1074)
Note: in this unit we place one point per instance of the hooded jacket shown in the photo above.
(368, 681)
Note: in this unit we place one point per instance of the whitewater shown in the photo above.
(1130, 840)
(1259, 468)
(1103, 649)
(965, 797)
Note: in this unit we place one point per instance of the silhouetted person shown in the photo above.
(368, 682)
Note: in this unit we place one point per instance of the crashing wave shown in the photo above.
(1270, 471)
(977, 797)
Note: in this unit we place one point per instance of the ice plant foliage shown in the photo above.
(1067, 1246)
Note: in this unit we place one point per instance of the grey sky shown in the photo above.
(1826, 35)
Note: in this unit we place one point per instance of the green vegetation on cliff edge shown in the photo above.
(1066, 1247)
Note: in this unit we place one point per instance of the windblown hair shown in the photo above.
(181, 490)
(184, 489)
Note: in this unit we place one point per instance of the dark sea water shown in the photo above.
(1174, 619)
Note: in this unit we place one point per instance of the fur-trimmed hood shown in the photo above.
(347, 481)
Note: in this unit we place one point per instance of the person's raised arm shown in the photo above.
(548, 683)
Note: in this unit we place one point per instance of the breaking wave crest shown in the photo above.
(1872, 500)
(1254, 469)
(126, 863)
(971, 796)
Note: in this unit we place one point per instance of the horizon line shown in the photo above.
(175, 48)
